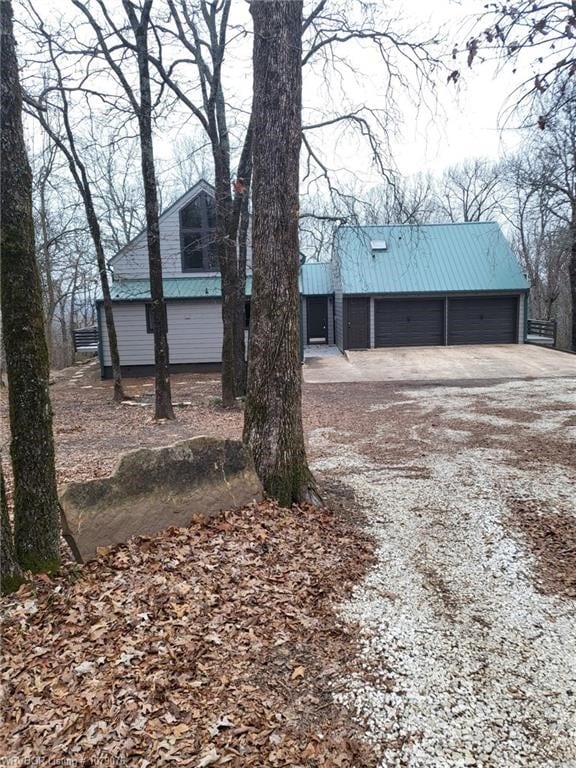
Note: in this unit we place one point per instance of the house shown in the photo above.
(385, 286)
(191, 288)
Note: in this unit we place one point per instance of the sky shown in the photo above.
(447, 126)
(470, 118)
(439, 125)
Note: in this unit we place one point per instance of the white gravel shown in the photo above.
(467, 664)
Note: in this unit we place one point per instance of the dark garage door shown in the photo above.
(477, 320)
(409, 322)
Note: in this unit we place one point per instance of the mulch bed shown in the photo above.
(551, 538)
(211, 645)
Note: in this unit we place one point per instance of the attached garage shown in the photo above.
(408, 322)
(427, 285)
(483, 320)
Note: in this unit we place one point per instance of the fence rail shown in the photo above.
(542, 332)
(85, 339)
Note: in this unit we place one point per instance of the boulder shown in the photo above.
(155, 488)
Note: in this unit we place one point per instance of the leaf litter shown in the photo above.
(210, 645)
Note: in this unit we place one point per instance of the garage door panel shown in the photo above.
(491, 320)
(408, 322)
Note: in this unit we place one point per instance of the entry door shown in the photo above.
(357, 323)
(317, 320)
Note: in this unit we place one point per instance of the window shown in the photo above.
(150, 318)
(198, 235)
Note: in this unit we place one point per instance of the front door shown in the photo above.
(317, 320)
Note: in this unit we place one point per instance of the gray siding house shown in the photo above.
(385, 286)
(191, 288)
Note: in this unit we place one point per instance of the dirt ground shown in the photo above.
(463, 630)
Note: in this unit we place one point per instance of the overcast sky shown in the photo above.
(455, 123)
(470, 119)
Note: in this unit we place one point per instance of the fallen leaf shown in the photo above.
(209, 759)
(297, 673)
(222, 722)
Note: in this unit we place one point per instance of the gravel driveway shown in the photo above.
(468, 621)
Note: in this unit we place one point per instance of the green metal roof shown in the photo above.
(194, 287)
(430, 258)
(316, 278)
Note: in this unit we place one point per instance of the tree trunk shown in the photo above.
(36, 508)
(273, 416)
(228, 273)
(163, 409)
(240, 326)
(572, 274)
(239, 226)
(46, 261)
(10, 572)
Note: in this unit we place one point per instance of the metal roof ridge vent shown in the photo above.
(378, 245)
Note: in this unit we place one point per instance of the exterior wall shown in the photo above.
(339, 320)
(194, 333)
(330, 320)
(338, 313)
(372, 324)
(132, 261)
(304, 320)
(522, 305)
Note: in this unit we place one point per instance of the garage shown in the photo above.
(408, 322)
(483, 320)
(429, 285)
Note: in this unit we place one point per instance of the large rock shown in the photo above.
(152, 489)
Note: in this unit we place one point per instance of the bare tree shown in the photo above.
(273, 415)
(36, 507)
(110, 40)
(118, 194)
(557, 158)
(140, 27)
(64, 252)
(535, 237)
(469, 192)
(54, 100)
(537, 34)
(202, 30)
(403, 201)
